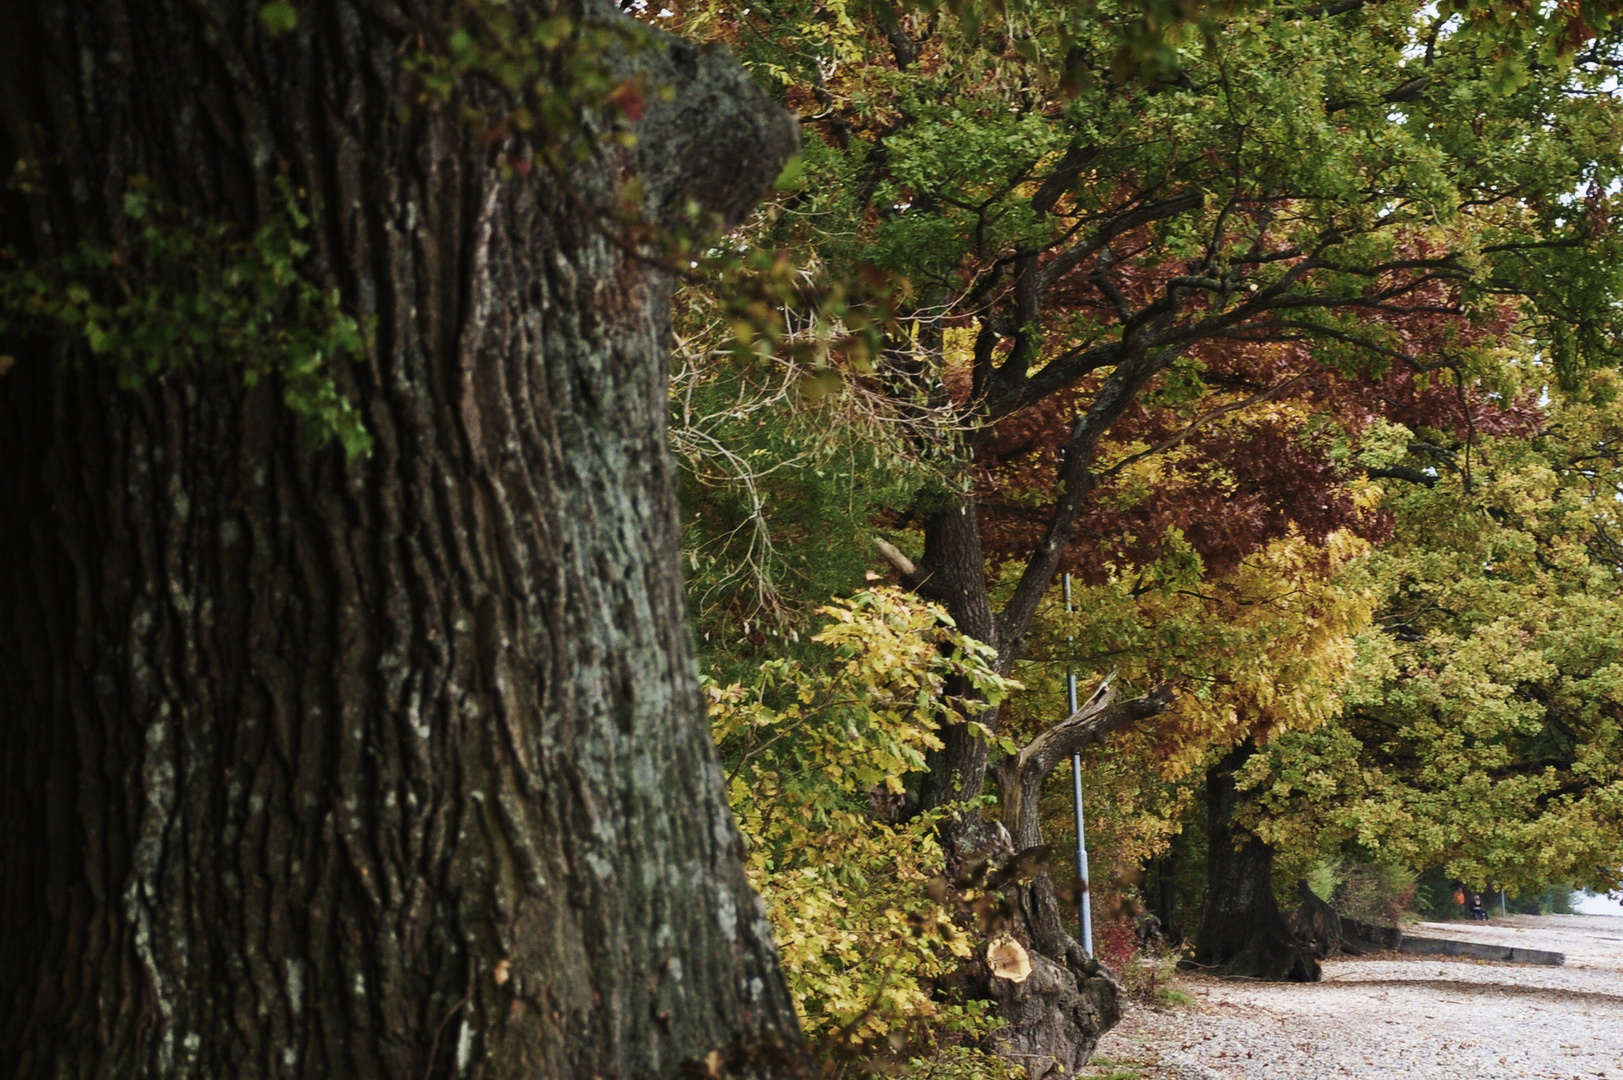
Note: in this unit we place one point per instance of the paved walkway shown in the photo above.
(1400, 1017)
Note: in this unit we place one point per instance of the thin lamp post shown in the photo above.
(1076, 795)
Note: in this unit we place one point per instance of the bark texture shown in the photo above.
(1020, 779)
(1056, 1020)
(954, 576)
(1242, 931)
(1317, 926)
(386, 768)
(1055, 1017)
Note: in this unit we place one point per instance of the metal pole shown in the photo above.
(1501, 903)
(1076, 793)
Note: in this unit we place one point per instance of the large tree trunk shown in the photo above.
(1054, 1019)
(394, 767)
(954, 576)
(1242, 931)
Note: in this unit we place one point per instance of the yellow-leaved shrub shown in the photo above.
(818, 752)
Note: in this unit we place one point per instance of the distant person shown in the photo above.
(1459, 899)
(1477, 910)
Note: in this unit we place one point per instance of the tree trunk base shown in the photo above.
(1057, 1014)
(1267, 958)
(1055, 1017)
(1243, 934)
(1319, 928)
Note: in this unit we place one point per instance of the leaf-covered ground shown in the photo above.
(1400, 1017)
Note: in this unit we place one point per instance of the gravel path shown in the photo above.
(1400, 1016)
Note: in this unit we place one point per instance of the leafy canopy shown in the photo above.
(1483, 724)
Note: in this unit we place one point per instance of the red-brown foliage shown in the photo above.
(1257, 473)
(1235, 484)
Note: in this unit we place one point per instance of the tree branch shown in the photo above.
(901, 563)
(1131, 219)
(1090, 724)
(1077, 481)
(1020, 778)
(1064, 175)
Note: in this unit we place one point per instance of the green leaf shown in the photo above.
(792, 175)
(135, 204)
(278, 18)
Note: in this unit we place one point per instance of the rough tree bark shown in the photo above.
(1317, 926)
(1242, 931)
(386, 768)
(956, 579)
(1020, 784)
(1328, 933)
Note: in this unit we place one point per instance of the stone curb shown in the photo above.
(1477, 951)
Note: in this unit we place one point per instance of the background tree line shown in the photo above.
(1267, 337)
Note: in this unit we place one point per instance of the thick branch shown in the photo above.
(1021, 778)
(1078, 481)
(719, 140)
(1125, 222)
(1085, 727)
(1064, 175)
(1054, 376)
